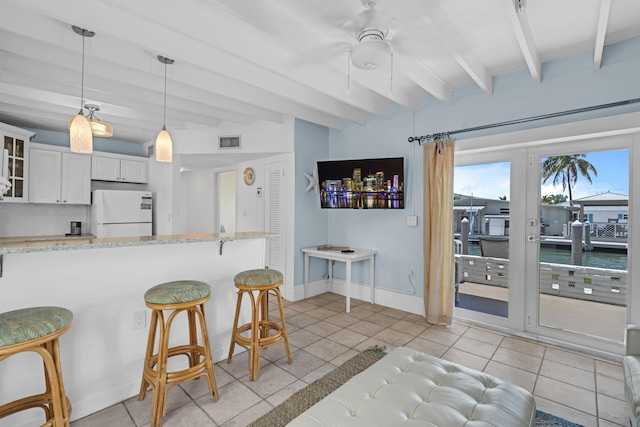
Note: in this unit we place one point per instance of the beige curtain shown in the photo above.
(439, 287)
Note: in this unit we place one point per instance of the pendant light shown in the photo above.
(80, 135)
(164, 148)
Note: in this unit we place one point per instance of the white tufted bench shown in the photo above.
(410, 388)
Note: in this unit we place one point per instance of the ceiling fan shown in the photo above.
(371, 29)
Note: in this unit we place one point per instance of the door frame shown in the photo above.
(613, 132)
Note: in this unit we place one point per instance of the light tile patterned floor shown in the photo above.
(322, 336)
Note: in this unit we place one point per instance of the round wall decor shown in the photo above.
(249, 176)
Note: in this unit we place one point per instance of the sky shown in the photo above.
(492, 180)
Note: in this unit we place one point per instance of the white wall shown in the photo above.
(227, 200)
(102, 355)
(37, 219)
(198, 187)
(261, 137)
(311, 222)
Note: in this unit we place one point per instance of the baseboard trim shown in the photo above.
(362, 291)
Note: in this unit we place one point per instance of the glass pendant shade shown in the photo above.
(164, 148)
(81, 139)
(80, 134)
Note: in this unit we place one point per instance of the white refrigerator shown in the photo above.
(120, 213)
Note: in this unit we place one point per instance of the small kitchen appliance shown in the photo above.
(76, 228)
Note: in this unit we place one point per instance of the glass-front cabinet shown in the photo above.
(15, 157)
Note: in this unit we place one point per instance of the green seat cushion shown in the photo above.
(31, 323)
(177, 292)
(259, 277)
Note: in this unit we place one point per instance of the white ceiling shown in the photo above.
(242, 61)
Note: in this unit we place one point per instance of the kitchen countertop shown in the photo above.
(88, 241)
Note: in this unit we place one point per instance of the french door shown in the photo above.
(566, 277)
(577, 237)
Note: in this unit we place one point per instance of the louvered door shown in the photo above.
(275, 210)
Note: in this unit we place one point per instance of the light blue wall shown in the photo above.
(106, 145)
(567, 84)
(311, 222)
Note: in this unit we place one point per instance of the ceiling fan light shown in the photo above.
(164, 146)
(369, 55)
(100, 129)
(80, 137)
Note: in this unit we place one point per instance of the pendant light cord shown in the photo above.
(164, 115)
(82, 78)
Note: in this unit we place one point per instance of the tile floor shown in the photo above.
(322, 336)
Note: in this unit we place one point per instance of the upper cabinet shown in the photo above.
(118, 169)
(59, 177)
(15, 158)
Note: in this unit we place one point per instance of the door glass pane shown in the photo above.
(584, 220)
(481, 230)
(8, 145)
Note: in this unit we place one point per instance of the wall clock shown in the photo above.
(249, 176)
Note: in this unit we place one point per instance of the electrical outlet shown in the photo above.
(412, 272)
(139, 319)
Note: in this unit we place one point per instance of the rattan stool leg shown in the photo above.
(234, 330)
(193, 337)
(158, 405)
(151, 341)
(58, 396)
(254, 356)
(56, 407)
(211, 379)
(283, 325)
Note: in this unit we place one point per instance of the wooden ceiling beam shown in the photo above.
(601, 33)
(522, 29)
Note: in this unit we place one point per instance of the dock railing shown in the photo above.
(602, 285)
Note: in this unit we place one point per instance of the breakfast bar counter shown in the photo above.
(103, 281)
(88, 241)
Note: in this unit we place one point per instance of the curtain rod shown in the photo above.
(442, 135)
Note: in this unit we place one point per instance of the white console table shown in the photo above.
(348, 258)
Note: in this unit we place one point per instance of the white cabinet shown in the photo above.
(59, 177)
(117, 169)
(16, 157)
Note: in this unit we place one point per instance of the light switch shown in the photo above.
(412, 220)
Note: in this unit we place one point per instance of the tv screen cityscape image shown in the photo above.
(362, 183)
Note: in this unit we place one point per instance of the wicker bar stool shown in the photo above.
(180, 296)
(262, 332)
(37, 329)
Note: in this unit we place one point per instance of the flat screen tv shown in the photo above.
(362, 183)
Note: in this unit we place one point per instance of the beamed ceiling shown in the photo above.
(238, 62)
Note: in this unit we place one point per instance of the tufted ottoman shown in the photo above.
(410, 388)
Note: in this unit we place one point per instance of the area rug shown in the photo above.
(305, 398)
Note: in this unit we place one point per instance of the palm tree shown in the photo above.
(565, 170)
(554, 199)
